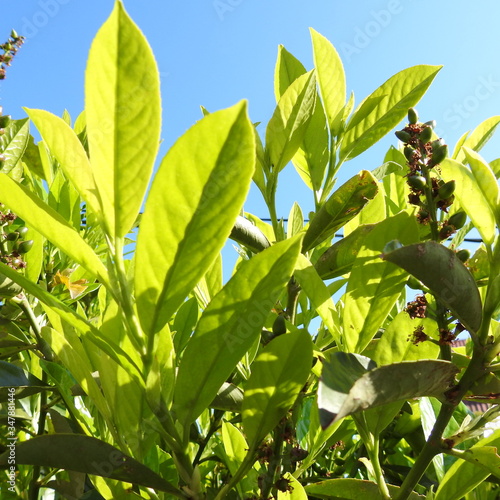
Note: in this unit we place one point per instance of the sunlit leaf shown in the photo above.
(206, 174)
(123, 113)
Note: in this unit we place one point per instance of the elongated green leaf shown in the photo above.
(340, 257)
(287, 127)
(341, 207)
(80, 453)
(51, 225)
(486, 180)
(331, 77)
(15, 380)
(464, 476)
(478, 137)
(445, 275)
(352, 489)
(395, 96)
(485, 456)
(287, 69)
(311, 158)
(123, 114)
(470, 197)
(278, 374)
(349, 384)
(229, 326)
(236, 449)
(373, 289)
(318, 294)
(206, 174)
(67, 149)
(13, 143)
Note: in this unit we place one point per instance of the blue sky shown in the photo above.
(216, 52)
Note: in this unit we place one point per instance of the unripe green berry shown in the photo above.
(4, 120)
(25, 246)
(12, 236)
(412, 116)
(403, 136)
(431, 124)
(426, 134)
(463, 255)
(439, 154)
(408, 152)
(22, 231)
(279, 325)
(417, 181)
(446, 190)
(457, 220)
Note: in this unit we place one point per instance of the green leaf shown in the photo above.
(296, 490)
(123, 113)
(16, 382)
(374, 286)
(287, 69)
(341, 207)
(287, 127)
(385, 108)
(464, 476)
(486, 180)
(230, 325)
(352, 489)
(67, 149)
(478, 138)
(318, 294)
(470, 197)
(396, 344)
(13, 143)
(295, 221)
(340, 257)
(445, 275)
(80, 453)
(50, 224)
(206, 174)
(350, 384)
(485, 456)
(331, 78)
(278, 374)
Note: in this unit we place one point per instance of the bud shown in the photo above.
(412, 116)
(431, 124)
(403, 136)
(437, 143)
(14, 35)
(457, 220)
(426, 134)
(463, 255)
(417, 182)
(446, 190)
(22, 231)
(438, 155)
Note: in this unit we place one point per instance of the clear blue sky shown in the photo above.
(214, 53)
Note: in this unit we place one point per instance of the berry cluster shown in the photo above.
(423, 154)
(10, 48)
(12, 243)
